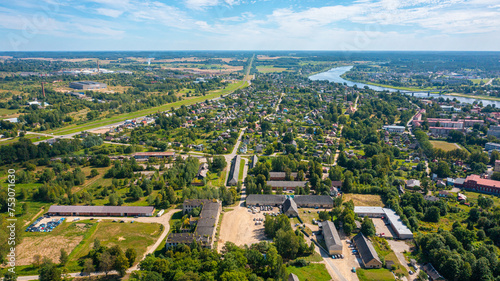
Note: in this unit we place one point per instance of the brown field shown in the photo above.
(364, 199)
(446, 146)
(50, 244)
(226, 69)
(69, 60)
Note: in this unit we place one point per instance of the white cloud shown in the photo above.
(109, 12)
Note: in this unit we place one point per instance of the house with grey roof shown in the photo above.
(235, 171)
(332, 238)
(369, 256)
(290, 208)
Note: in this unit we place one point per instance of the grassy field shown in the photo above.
(446, 146)
(75, 128)
(242, 168)
(269, 69)
(380, 274)
(312, 272)
(32, 138)
(384, 250)
(6, 112)
(135, 235)
(77, 239)
(474, 96)
(364, 199)
(478, 81)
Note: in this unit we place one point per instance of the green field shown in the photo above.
(312, 272)
(270, 68)
(7, 112)
(380, 274)
(478, 81)
(122, 117)
(127, 235)
(446, 146)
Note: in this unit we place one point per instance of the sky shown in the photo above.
(107, 25)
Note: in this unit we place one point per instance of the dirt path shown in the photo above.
(35, 216)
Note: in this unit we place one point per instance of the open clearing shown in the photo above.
(446, 146)
(49, 244)
(239, 227)
(268, 69)
(364, 199)
(127, 235)
(312, 272)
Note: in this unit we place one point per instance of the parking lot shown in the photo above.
(382, 229)
(45, 224)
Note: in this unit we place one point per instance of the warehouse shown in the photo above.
(206, 225)
(87, 85)
(106, 211)
(332, 238)
(397, 225)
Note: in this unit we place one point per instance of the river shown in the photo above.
(333, 75)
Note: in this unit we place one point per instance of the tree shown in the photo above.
(88, 266)
(484, 202)
(94, 173)
(287, 243)
(49, 272)
(121, 264)
(106, 262)
(131, 255)
(63, 257)
(10, 276)
(432, 214)
(367, 227)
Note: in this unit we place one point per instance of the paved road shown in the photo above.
(164, 220)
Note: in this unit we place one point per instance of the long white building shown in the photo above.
(397, 225)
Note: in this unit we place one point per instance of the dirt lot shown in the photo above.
(239, 227)
(381, 227)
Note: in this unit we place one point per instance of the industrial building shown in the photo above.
(332, 238)
(87, 85)
(206, 225)
(105, 211)
(397, 225)
(394, 129)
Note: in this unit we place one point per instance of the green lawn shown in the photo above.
(478, 81)
(5, 111)
(378, 274)
(75, 128)
(242, 168)
(384, 250)
(312, 272)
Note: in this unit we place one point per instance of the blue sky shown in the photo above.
(57, 25)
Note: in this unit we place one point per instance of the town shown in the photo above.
(244, 166)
